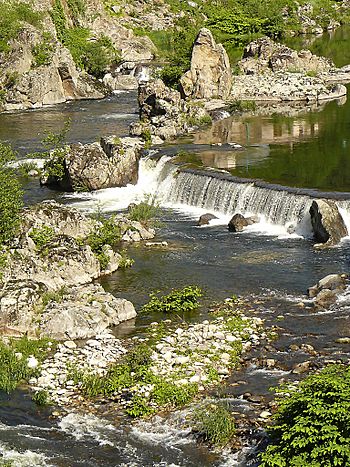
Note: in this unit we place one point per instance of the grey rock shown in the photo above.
(327, 223)
(210, 74)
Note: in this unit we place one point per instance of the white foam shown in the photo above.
(88, 427)
(159, 431)
(23, 459)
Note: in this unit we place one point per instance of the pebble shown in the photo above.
(265, 414)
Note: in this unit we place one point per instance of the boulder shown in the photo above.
(205, 219)
(327, 223)
(164, 114)
(326, 291)
(239, 222)
(264, 55)
(84, 312)
(113, 162)
(210, 75)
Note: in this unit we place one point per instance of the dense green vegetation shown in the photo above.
(312, 424)
(177, 301)
(12, 16)
(14, 360)
(107, 233)
(214, 424)
(94, 56)
(43, 51)
(233, 23)
(145, 212)
(11, 196)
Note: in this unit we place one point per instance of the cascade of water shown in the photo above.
(212, 191)
(225, 196)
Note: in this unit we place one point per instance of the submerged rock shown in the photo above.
(239, 222)
(206, 218)
(327, 223)
(210, 75)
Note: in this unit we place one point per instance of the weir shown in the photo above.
(226, 194)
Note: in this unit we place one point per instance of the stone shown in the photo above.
(332, 281)
(265, 414)
(325, 298)
(237, 223)
(205, 219)
(301, 368)
(210, 74)
(327, 223)
(111, 163)
(32, 362)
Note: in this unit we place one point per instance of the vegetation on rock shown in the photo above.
(11, 196)
(214, 424)
(144, 212)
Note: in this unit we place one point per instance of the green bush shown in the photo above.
(42, 236)
(144, 212)
(12, 16)
(312, 423)
(11, 196)
(43, 51)
(242, 106)
(107, 233)
(41, 397)
(177, 301)
(214, 424)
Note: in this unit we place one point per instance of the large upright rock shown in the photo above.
(210, 75)
(327, 223)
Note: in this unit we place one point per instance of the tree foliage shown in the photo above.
(312, 424)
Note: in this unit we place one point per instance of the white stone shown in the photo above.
(70, 344)
(32, 362)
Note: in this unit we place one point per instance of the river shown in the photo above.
(266, 263)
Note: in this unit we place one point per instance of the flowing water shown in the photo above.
(273, 262)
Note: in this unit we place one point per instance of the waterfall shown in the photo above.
(217, 192)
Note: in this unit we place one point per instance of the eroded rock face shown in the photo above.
(84, 312)
(163, 113)
(264, 54)
(111, 163)
(210, 74)
(60, 267)
(327, 223)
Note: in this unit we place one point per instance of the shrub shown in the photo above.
(41, 397)
(177, 301)
(11, 196)
(312, 423)
(144, 212)
(42, 236)
(215, 424)
(125, 261)
(26, 167)
(43, 51)
(56, 151)
(107, 233)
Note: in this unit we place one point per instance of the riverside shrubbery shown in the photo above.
(312, 424)
(177, 301)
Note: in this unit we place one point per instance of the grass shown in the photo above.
(13, 361)
(42, 236)
(214, 424)
(145, 212)
(107, 233)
